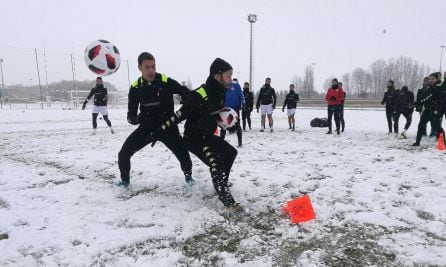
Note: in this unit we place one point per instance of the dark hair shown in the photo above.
(268, 79)
(145, 56)
(235, 80)
(435, 74)
(246, 83)
(340, 83)
(425, 78)
(99, 78)
(292, 85)
(334, 80)
(390, 81)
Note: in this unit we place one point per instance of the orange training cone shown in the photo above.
(300, 209)
(440, 145)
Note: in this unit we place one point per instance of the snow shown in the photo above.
(378, 201)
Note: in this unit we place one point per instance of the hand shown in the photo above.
(257, 110)
(333, 98)
(83, 106)
(283, 110)
(132, 119)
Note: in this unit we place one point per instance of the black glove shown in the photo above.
(132, 119)
(83, 105)
(257, 110)
(283, 110)
(274, 107)
(333, 98)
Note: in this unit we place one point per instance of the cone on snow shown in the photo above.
(440, 145)
(299, 209)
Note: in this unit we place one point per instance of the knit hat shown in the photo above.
(219, 66)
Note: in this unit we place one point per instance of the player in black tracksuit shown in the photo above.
(389, 101)
(153, 94)
(200, 112)
(404, 104)
(290, 103)
(267, 102)
(433, 107)
(249, 105)
(100, 103)
(418, 105)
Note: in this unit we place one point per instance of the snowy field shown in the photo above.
(378, 201)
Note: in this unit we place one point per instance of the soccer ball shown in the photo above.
(227, 118)
(102, 57)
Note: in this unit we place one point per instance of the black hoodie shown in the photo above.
(100, 95)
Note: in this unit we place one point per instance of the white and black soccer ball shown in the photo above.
(227, 118)
(102, 57)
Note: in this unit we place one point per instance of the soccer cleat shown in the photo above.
(189, 180)
(123, 184)
(272, 130)
(416, 144)
(329, 132)
(111, 130)
(337, 131)
(234, 208)
(262, 130)
(94, 132)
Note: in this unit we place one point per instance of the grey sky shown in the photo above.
(185, 36)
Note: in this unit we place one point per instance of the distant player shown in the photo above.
(266, 101)
(100, 104)
(291, 103)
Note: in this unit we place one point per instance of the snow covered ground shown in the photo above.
(378, 201)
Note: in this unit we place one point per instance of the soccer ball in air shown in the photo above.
(227, 118)
(102, 57)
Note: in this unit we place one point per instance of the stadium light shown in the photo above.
(252, 18)
(3, 83)
(441, 55)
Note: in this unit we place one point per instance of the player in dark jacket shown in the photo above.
(334, 97)
(290, 103)
(99, 104)
(153, 94)
(418, 105)
(249, 104)
(432, 107)
(389, 101)
(267, 102)
(200, 112)
(404, 104)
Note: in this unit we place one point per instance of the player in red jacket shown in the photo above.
(334, 98)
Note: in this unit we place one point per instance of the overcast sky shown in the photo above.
(185, 36)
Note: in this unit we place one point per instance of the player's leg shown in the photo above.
(174, 142)
(208, 151)
(136, 141)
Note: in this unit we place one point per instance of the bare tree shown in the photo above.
(379, 77)
(308, 82)
(298, 83)
(346, 83)
(361, 81)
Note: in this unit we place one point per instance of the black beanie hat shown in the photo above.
(219, 66)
